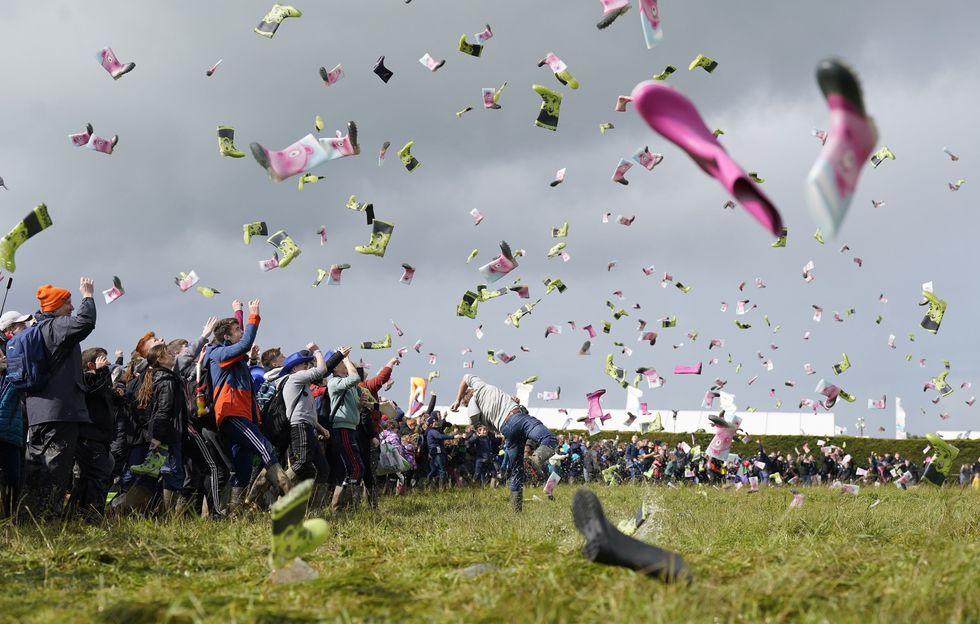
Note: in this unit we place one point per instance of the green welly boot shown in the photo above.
(380, 237)
(33, 223)
(702, 61)
(556, 249)
(934, 317)
(469, 304)
(257, 228)
(550, 108)
(226, 142)
(270, 23)
(405, 155)
(670, 69)
(154, 461)
(288, 249)
(781, 240)
(473, 49)
(554, 284)
(629, 527)
(617, 373)
(291, 536)
(942, 460)
(378, 344)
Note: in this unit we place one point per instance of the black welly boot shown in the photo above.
(605, 544)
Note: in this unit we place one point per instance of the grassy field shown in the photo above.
(915, 557)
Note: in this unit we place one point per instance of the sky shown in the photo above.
(166, 201)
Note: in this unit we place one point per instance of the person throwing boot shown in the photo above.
(492, 406)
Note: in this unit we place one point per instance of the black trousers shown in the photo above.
(204, 469)
(51, 449)
(11, 460)
(95, 463)
(306, 456)
(368, 457)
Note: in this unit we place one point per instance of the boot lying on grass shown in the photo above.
(605, 544)
(291, 535)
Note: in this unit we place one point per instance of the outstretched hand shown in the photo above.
(209, 326)
(85, 287)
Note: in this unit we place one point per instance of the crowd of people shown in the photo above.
(215, 425)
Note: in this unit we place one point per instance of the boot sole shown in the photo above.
(125, 71)
(608, 19)
(258, 152)
(834, 77)
(352, 135)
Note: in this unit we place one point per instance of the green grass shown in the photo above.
(914, 558)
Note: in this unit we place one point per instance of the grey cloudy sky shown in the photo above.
(166, 201)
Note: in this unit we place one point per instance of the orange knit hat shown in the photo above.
(51, 297)
(142, 342)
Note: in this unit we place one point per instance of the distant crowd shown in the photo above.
(213, 425)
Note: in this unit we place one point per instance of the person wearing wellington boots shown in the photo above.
(489, 404)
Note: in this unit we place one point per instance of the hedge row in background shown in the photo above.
(859, 448)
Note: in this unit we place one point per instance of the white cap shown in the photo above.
(11, 318)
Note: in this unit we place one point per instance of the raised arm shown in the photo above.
(463, 385)
(224, 354)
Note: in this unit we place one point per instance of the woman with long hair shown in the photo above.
(164, 400)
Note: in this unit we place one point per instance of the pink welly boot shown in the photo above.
(670, 113)
(301, 156)
(611, 9)
(721, 444)
(102, 145)
(650, 19)
(80, 139)
(499, 266)
(342, 145)
(595, 407)
(619, 175)
(111, 64)
(305, 154)
(833, 178)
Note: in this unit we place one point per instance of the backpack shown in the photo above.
(199, 396)
(275, 416)
(29, 367)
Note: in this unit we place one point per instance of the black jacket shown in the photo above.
(168, 410)
(100, 401)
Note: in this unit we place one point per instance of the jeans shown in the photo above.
(437, 467)
(483, 469)
(137, 455)
(172, 471)
(518, 429)
(246, 440)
